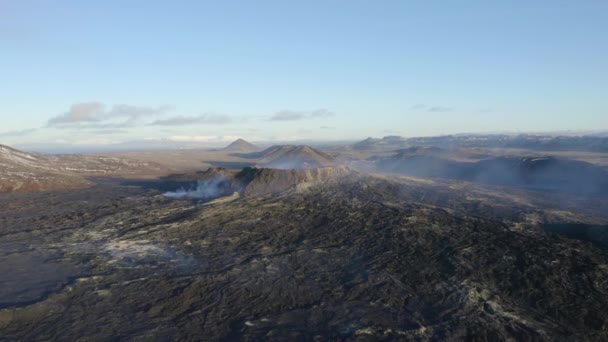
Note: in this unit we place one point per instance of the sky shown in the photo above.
(98, 73)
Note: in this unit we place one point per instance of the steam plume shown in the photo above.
(205, 189)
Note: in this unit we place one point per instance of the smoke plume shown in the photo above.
(205, 189)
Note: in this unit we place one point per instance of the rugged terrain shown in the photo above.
(542, 172)
(25, 172)
(333, 256)
(293, 243)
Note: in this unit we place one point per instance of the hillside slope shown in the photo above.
(351, 259)
(240, 146)
(547, 173)
(26, 172)
(294, 157)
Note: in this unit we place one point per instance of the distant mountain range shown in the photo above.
(596, 143)
(543, 173)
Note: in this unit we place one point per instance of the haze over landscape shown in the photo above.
(303, 171)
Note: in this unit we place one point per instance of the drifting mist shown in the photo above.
(205, 189)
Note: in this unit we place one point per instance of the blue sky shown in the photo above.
(104, 72)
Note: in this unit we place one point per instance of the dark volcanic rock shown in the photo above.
(263, 181)
(349, 257)
(220, 182)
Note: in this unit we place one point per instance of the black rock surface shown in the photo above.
(353, 257)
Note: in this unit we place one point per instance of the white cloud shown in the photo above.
(19, 133)
(80, 112)
(95, 114)
(189, 120)
(293, 115)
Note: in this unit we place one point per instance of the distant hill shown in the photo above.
(386, 142)
(365, 144)
(546, 173)
(294, 157)
(25, 172)
(240, 146)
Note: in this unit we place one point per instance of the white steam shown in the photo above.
(205, 189)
